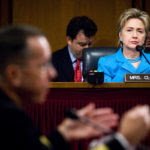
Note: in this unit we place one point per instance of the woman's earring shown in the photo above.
(121, 43)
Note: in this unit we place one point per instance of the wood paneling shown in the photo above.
(52, 16)
(5, 12)
(147, 6)
(140, 4)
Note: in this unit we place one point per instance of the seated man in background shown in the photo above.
(68, 61)
(25, 72)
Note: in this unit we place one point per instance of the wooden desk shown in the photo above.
(63, 96)
(86, 85)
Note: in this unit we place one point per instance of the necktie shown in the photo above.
(77, 72)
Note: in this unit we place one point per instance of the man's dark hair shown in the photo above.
(81, 23)
(13, 44)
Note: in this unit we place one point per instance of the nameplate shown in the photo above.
(137, 77)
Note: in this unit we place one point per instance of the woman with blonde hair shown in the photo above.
(133, 28)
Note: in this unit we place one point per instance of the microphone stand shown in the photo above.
(73, 115)
(139, 49)
(145, 57)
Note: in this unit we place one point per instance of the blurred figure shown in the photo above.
(133, 27)
(134, 127)
(79, 34)
(25, 72)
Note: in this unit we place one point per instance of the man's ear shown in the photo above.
(69, 40)
(13, 75)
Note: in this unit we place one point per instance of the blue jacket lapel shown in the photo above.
(143, 64)
(124, 63)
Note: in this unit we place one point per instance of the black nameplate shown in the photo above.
(137, 77)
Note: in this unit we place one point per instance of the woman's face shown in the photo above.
(133, 33)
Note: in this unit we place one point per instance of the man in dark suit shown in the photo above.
(80, 33)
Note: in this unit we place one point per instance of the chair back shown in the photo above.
(91, 56)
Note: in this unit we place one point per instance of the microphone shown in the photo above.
(72, 114)
(139, 49)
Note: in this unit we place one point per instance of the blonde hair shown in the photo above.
(134, 13)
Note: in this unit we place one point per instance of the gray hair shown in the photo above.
(13, 44)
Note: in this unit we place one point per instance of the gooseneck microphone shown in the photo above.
(139, 49)
(72, 113)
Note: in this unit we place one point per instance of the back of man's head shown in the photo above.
(13, 46)
(79, 23)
